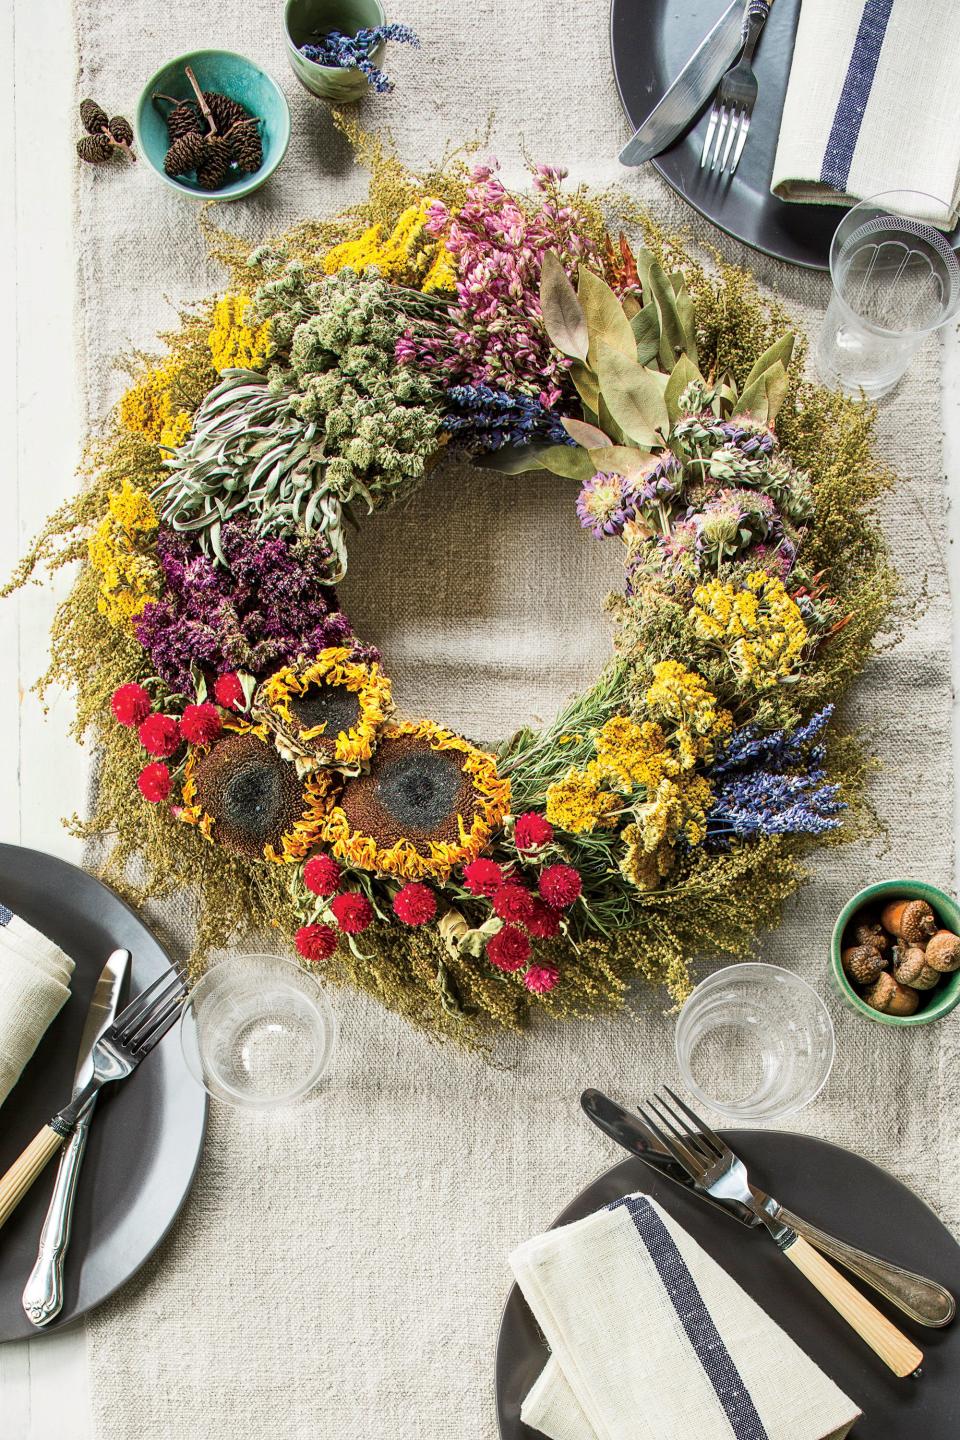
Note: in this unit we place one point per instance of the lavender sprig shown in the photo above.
(482, 418)
(342, 51)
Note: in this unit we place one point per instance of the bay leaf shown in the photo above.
(570, 461)
(781, 350)
(634, 396)
(563, 317)
(587, 386)
(630, 305)
(777, 384)
(623, 459)
(753, 402)
(646, 331)
(688, 319)
(672, 338)
(589, 436)
(606, 321)
(682, 374)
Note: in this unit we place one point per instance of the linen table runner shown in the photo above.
(339, 1271)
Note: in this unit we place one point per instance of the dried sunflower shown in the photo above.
(430, 801)
(240, 793)
(327, 712)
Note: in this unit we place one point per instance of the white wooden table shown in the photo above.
(43, 1382)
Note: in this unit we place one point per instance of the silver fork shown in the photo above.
(736, 96)
(117, 1053)
(717, 1170)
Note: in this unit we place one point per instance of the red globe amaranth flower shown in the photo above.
(532, 831)
(482, 877)
(512, 902)
(154, 782)
(130, 704)
(508, 949)
(415, 904)
(160, 735)
(560, 885)
(228, 691)
(316, 942)
(541, 978)
(321, 875)
(200, 724)
(352, 912)
(543, 922)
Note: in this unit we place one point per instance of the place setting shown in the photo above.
(590, 1080)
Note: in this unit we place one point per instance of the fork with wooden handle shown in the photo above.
(717, 1170)
(117, 1053)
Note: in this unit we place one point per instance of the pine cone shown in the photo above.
(225, 112)
(121, 130)
(184, 155)
(214, 168)
(94, 149)
(92, 118)
(183, 120)
(246, 147)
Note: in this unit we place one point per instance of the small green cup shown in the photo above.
(306, 20)
(934, 1004)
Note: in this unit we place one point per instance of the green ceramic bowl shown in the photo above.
(934, 1004)
(305, 20)
(232, 75)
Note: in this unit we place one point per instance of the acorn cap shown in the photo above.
(867, 930)
(891, 998)
(910, 920)
(943, 952)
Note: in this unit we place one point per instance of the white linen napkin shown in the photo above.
(871, 105)
(652, 1340)
(34, 985)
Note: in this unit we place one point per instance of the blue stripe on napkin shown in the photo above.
(695, 1319)
(5, 915)
(845, 131)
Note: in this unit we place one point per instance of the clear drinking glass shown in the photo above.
(895, 279)
(754, 1042)
(256, 1030)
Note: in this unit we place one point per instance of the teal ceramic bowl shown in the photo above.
(232, 75)
(935, 1003)
(305, 20)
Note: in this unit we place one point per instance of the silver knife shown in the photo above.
(691, 90)
(43, 1294)
(923, 1300)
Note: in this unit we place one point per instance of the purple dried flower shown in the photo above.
(605, 504)
(272, 603)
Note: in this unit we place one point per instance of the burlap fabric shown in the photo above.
(338, 1271)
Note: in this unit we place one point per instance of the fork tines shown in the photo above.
(150, 1014)
(697, 1150)
(732, 123)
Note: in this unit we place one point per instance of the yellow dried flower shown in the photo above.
(328, 711)
(578, 802)
(153, 408)
(633, 754)
(234, 344)
(408, 255)
(683, 697)
(120, 550)
(757, 625)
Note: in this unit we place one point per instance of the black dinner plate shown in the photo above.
(840, 1192)
(651, 41)
(145, 1139)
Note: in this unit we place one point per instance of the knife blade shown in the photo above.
(43, 1293)
(923, 1299)
(690, 91)
(629, 1131)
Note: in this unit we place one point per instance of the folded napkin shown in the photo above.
(34, 984)
(871, 105)
(652, 1340)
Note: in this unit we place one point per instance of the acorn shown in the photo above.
(910, 968)
(891, 998)
(863, 963)
(867, 930)
(910, 920)
(943, 952)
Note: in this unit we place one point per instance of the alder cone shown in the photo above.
(184, 155)
(121, 130)
(225, 112)
(92, 117)
(246, 149)
(94, 149)
(214, 168)
(183, 120)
